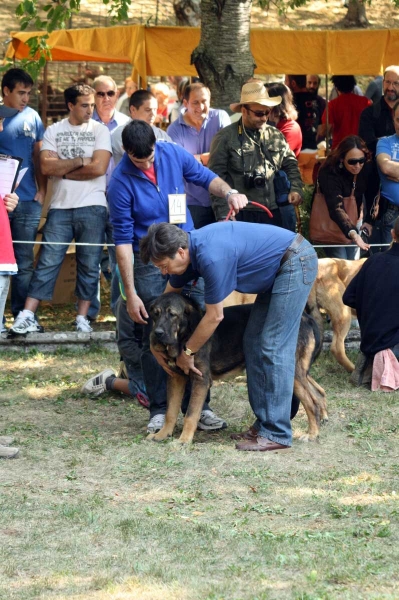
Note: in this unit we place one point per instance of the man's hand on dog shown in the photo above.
(186, 364)
(162, 359)
(136, 309)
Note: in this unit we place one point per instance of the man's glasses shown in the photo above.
(259, 113)
(355, 161)
(394, 84)
(110, 94)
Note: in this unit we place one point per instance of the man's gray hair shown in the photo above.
(104, 79)
(162, 241)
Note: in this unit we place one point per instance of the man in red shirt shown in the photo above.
(344, 111)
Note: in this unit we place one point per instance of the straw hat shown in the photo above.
(254, 92)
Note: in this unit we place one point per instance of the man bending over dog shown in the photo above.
(146, 183)
(266, 260)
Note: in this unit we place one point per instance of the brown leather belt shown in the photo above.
(293, 246)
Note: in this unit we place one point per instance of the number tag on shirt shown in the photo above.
(177, 208)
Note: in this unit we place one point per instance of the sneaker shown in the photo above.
(210, 422)
(25, 323)
(83, 324)
(7, 452)
(95, 386)
(156, 423)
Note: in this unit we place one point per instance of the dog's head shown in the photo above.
(174, 319)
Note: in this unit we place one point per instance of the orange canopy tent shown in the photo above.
(163, 51)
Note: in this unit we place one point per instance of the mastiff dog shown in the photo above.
(176, 317)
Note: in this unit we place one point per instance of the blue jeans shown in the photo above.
(149, 284)
(84, 225)
(288, 217)
(270, 342)
(388, 219)
(95, 306)
(24, 222)
(129, 347)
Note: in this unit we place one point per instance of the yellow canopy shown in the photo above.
(166, 51)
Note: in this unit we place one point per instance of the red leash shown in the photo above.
(255, 204)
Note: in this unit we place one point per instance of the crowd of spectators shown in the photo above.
(119, 163)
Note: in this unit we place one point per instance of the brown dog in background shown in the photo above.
(333, 277)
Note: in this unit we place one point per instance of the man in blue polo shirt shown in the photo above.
(387, 155)
(266, 260)
(22, 136)
(149, 177)
(194, 130)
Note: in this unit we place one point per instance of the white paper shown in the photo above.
(177, 208)
(8, 169)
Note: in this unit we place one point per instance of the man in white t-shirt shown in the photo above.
(75, 154)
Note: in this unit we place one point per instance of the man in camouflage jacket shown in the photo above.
(247, 155)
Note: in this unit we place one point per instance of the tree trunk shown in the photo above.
(188, 12)
(223, 58)
(356, 15)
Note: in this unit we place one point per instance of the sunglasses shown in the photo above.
(259, 113)
(110, 94)
(355, 161)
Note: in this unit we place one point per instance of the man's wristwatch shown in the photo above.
(350, 236)
(188, 351)
(227, 196)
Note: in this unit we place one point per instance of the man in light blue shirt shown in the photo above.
(22, 136)
(194, 130)
(387, 155)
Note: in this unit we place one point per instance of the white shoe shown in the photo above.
(210, 422)
(25, 323)
(83, 324)
(156, 423)
(96, 386)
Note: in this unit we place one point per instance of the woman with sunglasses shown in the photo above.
(345, 170)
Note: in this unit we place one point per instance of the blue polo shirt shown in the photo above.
(234, 256)
(389, 145)
(198, 142)
(18, 138)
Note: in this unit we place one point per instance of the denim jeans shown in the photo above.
(149, 284)
(24, 222)
(288, 217)
(95, 306)
(84, 225)
(388, 219)
(270, 342)
(129, 347)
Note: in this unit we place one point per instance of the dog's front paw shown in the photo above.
(185, 439)
(162, 435)
(308, 437)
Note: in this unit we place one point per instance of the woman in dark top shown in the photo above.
(345, 169)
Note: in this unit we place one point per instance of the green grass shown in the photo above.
(92, 511)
